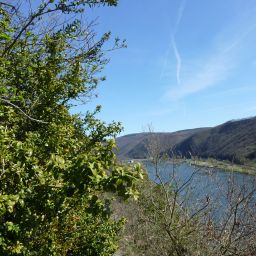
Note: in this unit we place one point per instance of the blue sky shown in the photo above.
(188, 63)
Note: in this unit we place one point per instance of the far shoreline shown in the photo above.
(249, 169)
(223, 165)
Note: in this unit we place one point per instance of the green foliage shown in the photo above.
(55, 167)
(158, 227)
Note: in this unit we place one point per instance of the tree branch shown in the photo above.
(26, 115)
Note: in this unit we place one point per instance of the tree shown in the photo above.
(55, 168)
(159, 223)
(169, 219)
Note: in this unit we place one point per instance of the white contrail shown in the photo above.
(180, 14)
(173, 45)
(178, 59)
(173, 41)
(215, 68)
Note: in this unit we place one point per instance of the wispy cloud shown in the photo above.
(243, 109)
(173, 40)
(173, 45)
(180, 14)
(244, 89)
(214, 68)
(178, 60)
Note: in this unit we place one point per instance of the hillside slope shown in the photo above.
(135, 146)
(234, 141)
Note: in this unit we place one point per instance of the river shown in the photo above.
(197, 186)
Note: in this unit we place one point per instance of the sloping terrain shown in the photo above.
(233, 140)
(136, 145)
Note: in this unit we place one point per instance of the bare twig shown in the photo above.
(26, 115)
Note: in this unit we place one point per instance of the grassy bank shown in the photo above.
(248, 168)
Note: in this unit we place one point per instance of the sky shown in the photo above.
(188, 64)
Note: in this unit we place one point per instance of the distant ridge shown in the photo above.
(135, 145)
(234, 140)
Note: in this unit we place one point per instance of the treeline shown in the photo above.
(59, 176)
(167, 221)
(234, 141)
(55, 167)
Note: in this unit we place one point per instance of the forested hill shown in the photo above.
(136, 145)
(233, 140)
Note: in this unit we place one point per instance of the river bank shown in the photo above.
(249, 168)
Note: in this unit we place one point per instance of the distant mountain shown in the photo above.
(234, 140)
(135, 146)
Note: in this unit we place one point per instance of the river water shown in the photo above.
(198, 186)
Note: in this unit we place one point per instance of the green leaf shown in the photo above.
(4, 36)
